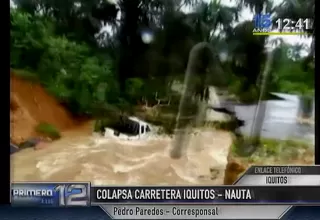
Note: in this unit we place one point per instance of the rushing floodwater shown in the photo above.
(139, 162)
(281, 119)
(84, 157)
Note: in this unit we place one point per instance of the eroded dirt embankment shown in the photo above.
(30, 105)
(80, 156)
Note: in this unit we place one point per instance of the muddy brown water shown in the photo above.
(144, 162)
(81, 156)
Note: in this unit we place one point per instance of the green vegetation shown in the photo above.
(48, 130)
(270, 148)
(97, 73)
(25, 74)
(290, 76)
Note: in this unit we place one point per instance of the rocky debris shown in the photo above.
(13, 148)
(31, 142)
(214, 173)
(36, 142)
(233, 171)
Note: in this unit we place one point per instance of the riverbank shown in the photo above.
(270, 152)
(33, 111)
(81, 156)
(210, 159)
(110, 162)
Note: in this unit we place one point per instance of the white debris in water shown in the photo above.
(112, 161)
(139, 159)
(133, 180)
(183, 173)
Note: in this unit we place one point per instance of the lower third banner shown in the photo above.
(193, 211)
(50, 194)
(80, 194)
(217, 194)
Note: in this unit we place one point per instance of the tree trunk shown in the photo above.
(200, 56)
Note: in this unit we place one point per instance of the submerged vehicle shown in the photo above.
(129, 128)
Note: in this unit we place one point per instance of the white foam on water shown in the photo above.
(133, 180)
(220, 156)
(97, 182)
(139, 159)
(107, 161)
(47, 169)
(123, 168)
(100, 141)
(185, 174)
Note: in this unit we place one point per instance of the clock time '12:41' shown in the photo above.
(289, 25)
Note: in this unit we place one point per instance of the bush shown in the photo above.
(74, 72)
(27, 41)
(48, 130)
(269, 148)
(80, 81)
(30, 76)
(101, 124)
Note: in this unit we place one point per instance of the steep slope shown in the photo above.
(30, 105)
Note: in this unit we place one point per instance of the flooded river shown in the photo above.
(282, 118)
(144, 162)
(81, 156)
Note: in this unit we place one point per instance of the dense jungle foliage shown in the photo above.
(96, 55)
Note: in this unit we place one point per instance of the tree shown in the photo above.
(299, 9)
(79, 20)
(62, 41)
(201, 57)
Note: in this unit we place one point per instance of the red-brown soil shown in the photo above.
(30, 105)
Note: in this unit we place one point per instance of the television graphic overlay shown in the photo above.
(50, 194)
(262, 192)
(265, 25)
